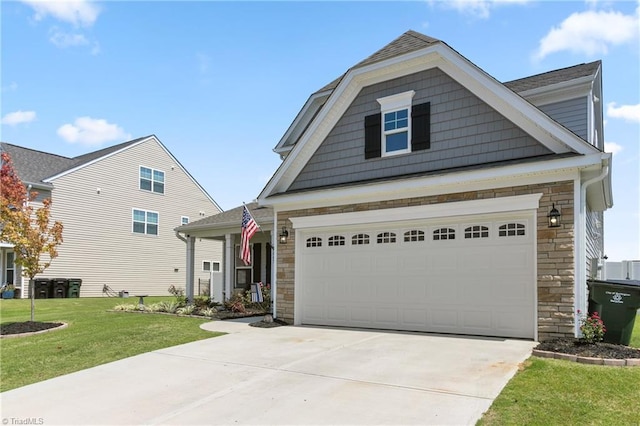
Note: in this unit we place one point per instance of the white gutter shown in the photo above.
(581, 276)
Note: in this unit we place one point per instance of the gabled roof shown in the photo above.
(554, 77)
(34, 166)
(263, 216)
(408, 54)
(412, 41)
(42, 168)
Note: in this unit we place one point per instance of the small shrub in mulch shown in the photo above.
(580, 347)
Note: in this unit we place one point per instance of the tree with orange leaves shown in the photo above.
(29, 229)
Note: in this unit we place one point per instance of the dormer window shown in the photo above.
(399, 128)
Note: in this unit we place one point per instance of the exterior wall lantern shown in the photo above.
(554, 217)
(284, 235)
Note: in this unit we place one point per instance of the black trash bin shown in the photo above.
(42, 288)
(617, 302)
(74, 287)
(59, 288)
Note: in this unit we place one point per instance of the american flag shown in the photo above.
(249, 227)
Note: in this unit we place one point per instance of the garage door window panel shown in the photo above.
(314, 242)
(476, 231)
(386, 238)
(441, 234)
(511, 230)
(360, 239)
(336, 241)
(413, 236)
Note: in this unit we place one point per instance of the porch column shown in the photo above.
(228, 264)
(191, 250)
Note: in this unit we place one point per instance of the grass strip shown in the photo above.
(94, 336)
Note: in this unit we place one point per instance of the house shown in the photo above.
(119, 207)
(419, 193)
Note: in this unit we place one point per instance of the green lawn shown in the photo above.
(549, 392)
(93, 336)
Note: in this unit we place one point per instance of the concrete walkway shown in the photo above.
(283, 375)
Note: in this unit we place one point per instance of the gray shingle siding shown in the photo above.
(571, 113)
(464, 131)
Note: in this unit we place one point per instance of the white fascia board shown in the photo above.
(306, 114)
(509, 204)
(559, 92)
(512, 106)
(567, 169)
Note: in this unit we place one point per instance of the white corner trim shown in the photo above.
(431, 211)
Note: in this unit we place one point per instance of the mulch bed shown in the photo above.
(268, 324)
(573, 346)
(27, 327)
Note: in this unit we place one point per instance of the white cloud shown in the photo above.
(612, 147)
(92, 131)
(590, 32)
(62, 39)
(77, 12)
(477, 8)
(626, 112)
(18, 117)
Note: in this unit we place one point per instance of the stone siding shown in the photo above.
(555, 250)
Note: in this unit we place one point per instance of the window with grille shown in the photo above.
(336, 240)
(476, 231)
(511, 230)
(413, 235)
(444, 234)
(314, 242)
(360, 239)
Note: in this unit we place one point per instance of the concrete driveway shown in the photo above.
(283, 375)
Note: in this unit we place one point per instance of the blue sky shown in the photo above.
(220, 82)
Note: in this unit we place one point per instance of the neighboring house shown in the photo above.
(625, 270)
(119, 207)
(417, 191)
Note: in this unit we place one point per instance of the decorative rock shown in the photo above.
(268, 318)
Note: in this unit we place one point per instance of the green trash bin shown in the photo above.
(617, 302)
(74, 287)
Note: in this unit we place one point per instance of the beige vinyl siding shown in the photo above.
(95, 205)
(594, 237)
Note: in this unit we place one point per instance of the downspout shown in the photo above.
(190, 242)
(581, 281)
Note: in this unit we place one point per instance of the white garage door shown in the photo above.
(473, 276)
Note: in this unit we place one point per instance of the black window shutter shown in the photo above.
(372, 140)
(257, 262)
(421, 127)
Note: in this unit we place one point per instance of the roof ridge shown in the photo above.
(37, 150)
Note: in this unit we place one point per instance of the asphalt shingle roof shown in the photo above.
(553, 77)
(261, 214)
(35, 166)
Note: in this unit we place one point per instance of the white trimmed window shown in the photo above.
(209, 265)
(184, 220)
(396, 123)
(151, 180)
(145, 222)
